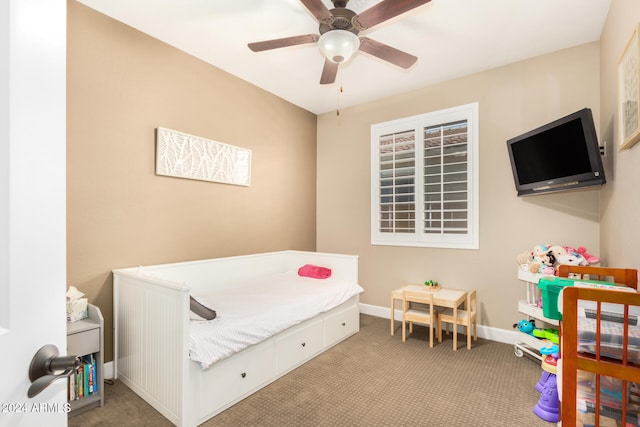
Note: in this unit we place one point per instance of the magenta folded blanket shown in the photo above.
(315, 271)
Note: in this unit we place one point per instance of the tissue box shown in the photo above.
(77, 309)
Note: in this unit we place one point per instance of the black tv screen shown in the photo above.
(559, 156)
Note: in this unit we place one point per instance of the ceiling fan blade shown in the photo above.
(329, 72)
(384, 11)
(318, 9)
(387, 53)
(283, 42)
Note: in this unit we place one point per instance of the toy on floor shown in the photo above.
(547, 407)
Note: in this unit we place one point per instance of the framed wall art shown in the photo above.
(629, 93)
(187, 156)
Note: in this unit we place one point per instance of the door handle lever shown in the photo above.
(46, 366)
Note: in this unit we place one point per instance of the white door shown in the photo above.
(32, 204)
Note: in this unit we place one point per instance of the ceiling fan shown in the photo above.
(339, 28)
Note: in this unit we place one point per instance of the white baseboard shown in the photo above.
(487, 332)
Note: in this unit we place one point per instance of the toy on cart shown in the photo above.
(529, 327)
(547, 407)
(547, 334)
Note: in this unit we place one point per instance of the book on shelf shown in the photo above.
(83, 381)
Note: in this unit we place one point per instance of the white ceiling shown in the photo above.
(451, 38)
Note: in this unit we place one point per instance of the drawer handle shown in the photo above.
(304, 344)
(243, 375)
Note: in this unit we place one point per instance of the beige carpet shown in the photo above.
(373, 379)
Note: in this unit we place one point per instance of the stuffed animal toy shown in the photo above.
(547, 262)
(557, 252)
(547, 271)
(529, 327)
(534, 267)
(571, 260)
(526, 326)
(538, 251)
(582, 251)
(524, 259)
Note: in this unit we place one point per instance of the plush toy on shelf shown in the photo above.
(545, 259)
(526, 326)
(557, 251)
(529, 327)
(541, 260)
(571, 260)
(524, 258)
(538, 251)
(547, 263)
(581, 253)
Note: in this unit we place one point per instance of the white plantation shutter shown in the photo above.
(446, 179)
(425, 180)
(397, 195)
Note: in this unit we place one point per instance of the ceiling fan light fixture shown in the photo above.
(338, 45)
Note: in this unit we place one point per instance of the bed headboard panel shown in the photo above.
(151, 324)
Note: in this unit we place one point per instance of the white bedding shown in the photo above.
(250, 312)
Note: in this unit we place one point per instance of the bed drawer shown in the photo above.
(298, 346)
(231, 379)
(342, 324)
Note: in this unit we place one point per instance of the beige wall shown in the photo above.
(123, 84)
(512, 99)
(620, 206)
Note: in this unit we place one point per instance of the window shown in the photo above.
(424, 180)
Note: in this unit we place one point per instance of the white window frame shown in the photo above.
(417, 124)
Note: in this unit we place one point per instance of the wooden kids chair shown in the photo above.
(424, 314)
(466, 318)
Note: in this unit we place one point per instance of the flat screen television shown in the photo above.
(559, 156)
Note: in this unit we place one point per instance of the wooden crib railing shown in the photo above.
(575, 362)
(622, 276)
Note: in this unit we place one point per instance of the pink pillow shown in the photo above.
(314, 271)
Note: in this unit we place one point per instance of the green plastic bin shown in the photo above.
(550, 288)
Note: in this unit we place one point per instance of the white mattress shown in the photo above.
(250, 312)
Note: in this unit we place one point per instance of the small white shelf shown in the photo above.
(532, 342)
(525, 343)
(536, 312)
(527, 276)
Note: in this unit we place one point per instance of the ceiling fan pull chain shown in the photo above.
(340, 90)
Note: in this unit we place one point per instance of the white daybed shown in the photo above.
(154, 347)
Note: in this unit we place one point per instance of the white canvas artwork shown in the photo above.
(187, 156)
